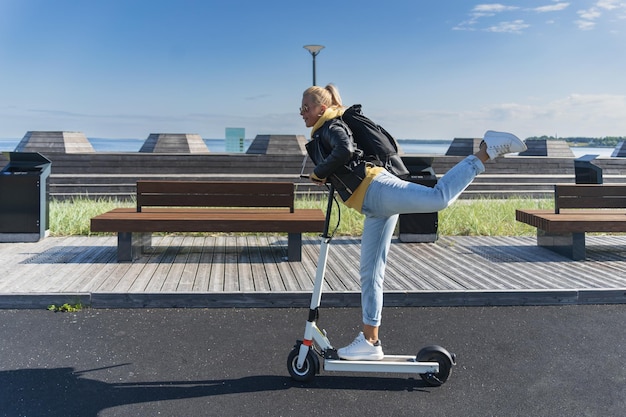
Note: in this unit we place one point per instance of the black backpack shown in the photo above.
(378, 146)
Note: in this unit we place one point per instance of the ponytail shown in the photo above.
(334, 95)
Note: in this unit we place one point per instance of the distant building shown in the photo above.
(235, 138)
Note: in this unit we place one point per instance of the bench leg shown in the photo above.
(131, 245)
(571, 245)
(294, 247)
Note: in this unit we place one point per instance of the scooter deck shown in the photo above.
(390, 363)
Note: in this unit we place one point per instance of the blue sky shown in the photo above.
(423, 69)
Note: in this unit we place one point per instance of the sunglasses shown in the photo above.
(304, 109)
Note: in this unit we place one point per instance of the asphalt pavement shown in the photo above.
(512, 361)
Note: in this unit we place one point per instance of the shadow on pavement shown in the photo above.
(64, 391)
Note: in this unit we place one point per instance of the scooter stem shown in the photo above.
(311, 331)
(316, 297)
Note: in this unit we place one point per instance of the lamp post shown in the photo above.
(314, 50)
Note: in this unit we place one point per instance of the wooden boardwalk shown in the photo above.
(251, 271)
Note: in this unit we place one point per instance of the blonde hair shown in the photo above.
(328, 96)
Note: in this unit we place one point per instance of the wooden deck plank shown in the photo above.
(309, 263)
(244, 266)
(259, 273)
(81, 266)
(466, 268)
(203, 273)
(190, 269)
(413, 269)
(70, 266)
(303, 271)
(489, 252)
(166, 254)
(22, 263)
(216, 282)
(57, 260)
(231, 270)
(95, 270)
(501, 255)
(17, 261)
(176, 270)
(107, 272)
(418, 269)
(436, 258)
(138, 276)
(336, 276)
(438, 261)
(413, 275)
(348, 256)
(268, 266)
(286, 269)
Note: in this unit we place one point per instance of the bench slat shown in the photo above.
(550, 222)
(582, 196)
(595, 190)
(591, 202)
(207, 220)
(214, 194)
(211, 200)
(219, 187)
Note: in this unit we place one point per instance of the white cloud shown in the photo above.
(591, 115)
(610, 4)
(487, 10)
(515, 26)
(493, 8)
(585, 24)
(552, 8)
(589, 17)
(575, 115)
(484, 11)
(589, 14)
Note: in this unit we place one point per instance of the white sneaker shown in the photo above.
(361, 350)
(500, 143)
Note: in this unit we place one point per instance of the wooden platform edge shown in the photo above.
(473, 298)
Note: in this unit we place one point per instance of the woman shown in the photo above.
(381, 197)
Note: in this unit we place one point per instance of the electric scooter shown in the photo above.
(433, 363)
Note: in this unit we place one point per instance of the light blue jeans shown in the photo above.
(388, 196)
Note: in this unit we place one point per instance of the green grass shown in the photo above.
(476, 217)
(489, 217)
(66, 308)
(71, 217)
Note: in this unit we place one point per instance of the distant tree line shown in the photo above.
(609, 141)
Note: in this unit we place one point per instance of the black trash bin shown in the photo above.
(419, 227)
(24, 203)
(586, 172)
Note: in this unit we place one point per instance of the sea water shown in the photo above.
(409, 146)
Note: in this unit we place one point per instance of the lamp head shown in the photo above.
(314, 49)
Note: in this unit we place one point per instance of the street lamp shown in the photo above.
(314, 50)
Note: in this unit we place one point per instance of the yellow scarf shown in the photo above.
(356, 200)
(330, 113)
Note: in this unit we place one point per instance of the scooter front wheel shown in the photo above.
(309, 368)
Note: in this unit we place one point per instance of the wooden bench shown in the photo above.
(207, 206)
(578, 209)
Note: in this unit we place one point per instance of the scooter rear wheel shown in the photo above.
(309, 368)
(445, 367)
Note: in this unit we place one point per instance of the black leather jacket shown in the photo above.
(336, 157)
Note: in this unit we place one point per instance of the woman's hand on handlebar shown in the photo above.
(317, 180)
